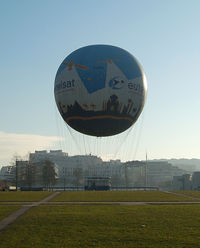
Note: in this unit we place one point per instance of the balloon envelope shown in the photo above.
(100, 90)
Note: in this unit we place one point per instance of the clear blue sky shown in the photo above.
(163, 35)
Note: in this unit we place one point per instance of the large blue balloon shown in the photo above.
(100, 90)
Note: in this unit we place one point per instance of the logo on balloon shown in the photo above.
(64, 85)
(116, 83)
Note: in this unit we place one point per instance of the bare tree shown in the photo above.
(14, 163)
(30, 175)
(78, 174)
(48, 174)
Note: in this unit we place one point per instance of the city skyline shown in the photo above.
(163, 36)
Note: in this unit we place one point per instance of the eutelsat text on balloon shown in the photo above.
(100, 90)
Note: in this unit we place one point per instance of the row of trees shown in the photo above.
(28, 175)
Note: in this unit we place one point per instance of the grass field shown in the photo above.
(105, 226)
(5, 211)
(115, 196)
(21, 196)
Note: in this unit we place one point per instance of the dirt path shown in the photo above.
(12, 217)
(182, 194)
(63, 204)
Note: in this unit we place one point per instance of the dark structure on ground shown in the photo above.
(97, 183)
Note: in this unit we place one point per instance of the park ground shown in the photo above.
(102, 219)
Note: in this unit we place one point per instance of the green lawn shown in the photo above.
(5, 211)
(115, 196)
(21, 196)
(105, 226)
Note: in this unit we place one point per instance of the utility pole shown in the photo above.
(64, 175)
(16, 174)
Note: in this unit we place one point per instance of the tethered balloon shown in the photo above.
(100, 90)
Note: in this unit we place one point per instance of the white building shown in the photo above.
(196, 180)
(79, 165)
(7, 173)
(183, 182)
(161, 171)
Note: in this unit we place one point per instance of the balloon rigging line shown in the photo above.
(122, 142)
(84, 144)
(139, 135)
(76, 143)
(128, 146)
(57, 127)
(89, 161)
(131, 143)
(64, 135)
